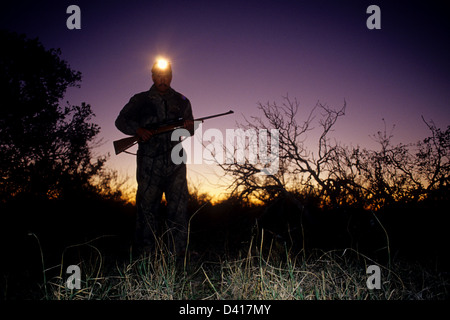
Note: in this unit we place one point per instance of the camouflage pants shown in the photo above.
(155, 176)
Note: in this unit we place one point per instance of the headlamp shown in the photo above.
(161, 65)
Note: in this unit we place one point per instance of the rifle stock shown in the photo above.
(123, 144)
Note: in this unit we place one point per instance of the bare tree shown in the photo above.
(335, 173)
(299, 167)
(394, 173)
(433, 158)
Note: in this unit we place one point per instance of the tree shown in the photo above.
(337, 174)
(299, 167)
(402, 173)
(45, 148)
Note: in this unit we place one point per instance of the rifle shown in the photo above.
(125, 143)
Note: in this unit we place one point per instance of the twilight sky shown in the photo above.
(234, 54)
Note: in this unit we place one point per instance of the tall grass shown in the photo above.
(255, 274)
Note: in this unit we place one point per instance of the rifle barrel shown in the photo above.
(214, 116)
(125, 143)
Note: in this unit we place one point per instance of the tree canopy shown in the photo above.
(45, 148)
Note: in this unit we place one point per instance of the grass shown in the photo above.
(256, 274)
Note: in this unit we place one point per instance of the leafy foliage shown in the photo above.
(45, 149)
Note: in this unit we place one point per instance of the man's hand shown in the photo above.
(144, 134)
(189, 126)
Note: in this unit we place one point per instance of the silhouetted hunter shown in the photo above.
(156, 172)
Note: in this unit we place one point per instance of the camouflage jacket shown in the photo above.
(149, 109)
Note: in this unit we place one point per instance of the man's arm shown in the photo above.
(127, 121)
(189, 118)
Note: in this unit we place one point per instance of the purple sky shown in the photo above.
(234, 54)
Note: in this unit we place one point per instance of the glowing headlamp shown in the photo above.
(161, 65)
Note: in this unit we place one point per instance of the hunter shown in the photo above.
(156, 172)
